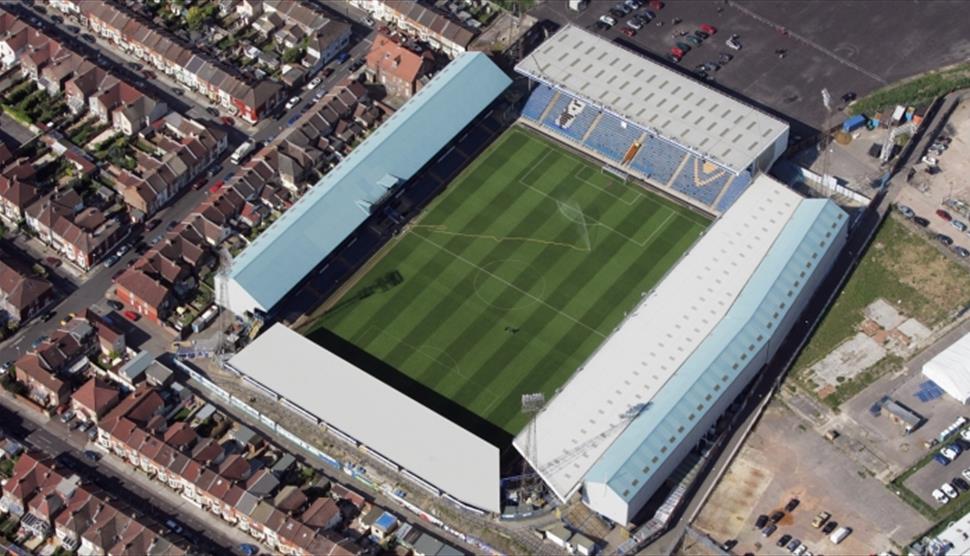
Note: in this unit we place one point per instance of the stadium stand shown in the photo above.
(612, 137)
(701, 180)
(658, 159)
(537, 102)
(734, 190)
(631, 101)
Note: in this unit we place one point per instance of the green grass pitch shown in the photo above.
(513, 276)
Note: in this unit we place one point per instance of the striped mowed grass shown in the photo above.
(512, 277)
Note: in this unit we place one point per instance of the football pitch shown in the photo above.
(512, 277)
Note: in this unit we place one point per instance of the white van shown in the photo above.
(840, 534)
(241, 152)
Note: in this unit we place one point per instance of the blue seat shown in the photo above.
(538, 100)
(658, 159)
(703, 186)
(579, 125)
(610, 138)
(734, 191)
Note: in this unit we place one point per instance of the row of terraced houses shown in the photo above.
(187, 65)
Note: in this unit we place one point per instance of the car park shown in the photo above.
(829, 527)
(783, 540)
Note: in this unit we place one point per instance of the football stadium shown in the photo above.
(619, 250)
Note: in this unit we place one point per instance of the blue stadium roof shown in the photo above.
(330, 211)
(639, 451)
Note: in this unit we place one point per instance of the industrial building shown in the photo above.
(327, 215)
(950, 370)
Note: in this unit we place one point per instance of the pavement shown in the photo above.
(839, 45)
(25, 422)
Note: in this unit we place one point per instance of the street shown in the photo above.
(116, 478)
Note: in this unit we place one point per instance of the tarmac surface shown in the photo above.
(839, 45)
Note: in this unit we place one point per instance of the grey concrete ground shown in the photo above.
(784, 459)
(840, 45)
(933, 474)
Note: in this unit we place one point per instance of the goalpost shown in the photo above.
(616, 172)
(574, 213)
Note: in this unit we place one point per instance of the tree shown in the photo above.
(196, 16)
(292, 55)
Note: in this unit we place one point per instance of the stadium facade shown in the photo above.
(327, 215)
(642, 400)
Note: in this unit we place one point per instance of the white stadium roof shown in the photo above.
(375, 414)
(950, 369)
(629, 369)
(667, 103)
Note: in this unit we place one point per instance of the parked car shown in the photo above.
(314, 82)
(940, 459)
(67, 415)
(961, 251)
(944, 239)
(767, 531)
(958, 224)
(292, 102)
(829, 527)
(800, 550)
(920, 221)
(960, 484)
(905, 211)
(783, 540)
(761, 521)
(948, 489)
(840, 535)
(776, 516)
(820, 519)
(607, 21)
(733, 42)
(693, 41)
(791, 505)
(793, 544)
(683, 46)
(628, 32)
(673, 58)
(635, 23)
(950, 451)
(227, 120)
(709, 29)
(966, 473)
(677, 52)
(68, 318)
(83, 427)
(701, 35)
(131, 315)
(944, 214)
(48, 316)
(342, 57)
(173, 525)
(37, 342)
(249, 549)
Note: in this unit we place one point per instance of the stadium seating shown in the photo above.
(658, 159)
(610, 138)
(737, 187)
(701, 181)
(579, 125)
(537, 102)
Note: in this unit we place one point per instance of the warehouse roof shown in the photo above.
(624, 378)
(340, 202)
(950, 369)
(418, 439)
(664, 102)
